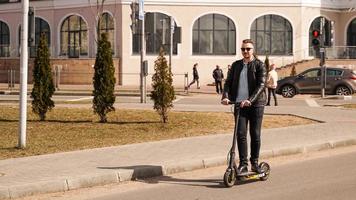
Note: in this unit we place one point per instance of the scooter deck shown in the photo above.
(249, 173)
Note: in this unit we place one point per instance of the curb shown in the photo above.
(142, 172)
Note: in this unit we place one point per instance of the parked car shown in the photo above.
(339, 81)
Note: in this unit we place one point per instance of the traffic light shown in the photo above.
(316, 38)
(134, 16)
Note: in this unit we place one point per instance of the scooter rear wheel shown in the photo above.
(266, 169)
(229, 177)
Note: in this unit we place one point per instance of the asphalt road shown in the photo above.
(324, 175)
(327, 178)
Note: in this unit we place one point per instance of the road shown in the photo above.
(324, 175)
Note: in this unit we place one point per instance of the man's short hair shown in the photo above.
(245, 41)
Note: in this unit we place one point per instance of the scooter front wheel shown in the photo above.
(229, 177)
(266, 170)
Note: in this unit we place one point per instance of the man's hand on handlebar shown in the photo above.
(225, 101)
(245, 103)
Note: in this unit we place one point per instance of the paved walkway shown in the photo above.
(78, 169)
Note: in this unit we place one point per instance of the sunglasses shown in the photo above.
(247, 49)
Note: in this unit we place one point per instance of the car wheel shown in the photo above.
(343, 90)
(288, 91)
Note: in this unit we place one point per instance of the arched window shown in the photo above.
(351, 39)
(351, 33)
(273, 35)
(74, 37)
(157, 34)
(214, 34)
(41, 26)
(326, 33)
(4, 40)
(107, 26)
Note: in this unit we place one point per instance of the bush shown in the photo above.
(103, 80)
(162, 89)
(43, 86)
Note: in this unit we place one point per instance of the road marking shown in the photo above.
(312, 103)
(81, 99)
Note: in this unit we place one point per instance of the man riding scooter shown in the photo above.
(245, 84)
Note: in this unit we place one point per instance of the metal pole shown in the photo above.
(322, 70)
(171, 24)
(23, 75)
(322, 57)
(143, 46)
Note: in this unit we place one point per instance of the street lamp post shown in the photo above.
(23, 75)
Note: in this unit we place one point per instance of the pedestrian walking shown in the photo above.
(245, 84)
(218, 76)
(195, 76)
(272, 84)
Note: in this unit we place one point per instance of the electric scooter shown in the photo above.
(231, 174)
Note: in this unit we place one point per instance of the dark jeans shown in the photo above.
(273, 91)
(193, 81)
(253, 116)
(218, 86)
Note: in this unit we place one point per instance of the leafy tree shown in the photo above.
(43, 86)
(267, 63)
(162, 89)
(103, 80)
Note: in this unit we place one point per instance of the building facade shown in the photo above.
(210, 32)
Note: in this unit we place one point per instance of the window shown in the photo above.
(272, 35)
(107, 26)
(4, 40)
(351, 34)
(312, 73)
(351, 39)
(157, 34)
(41, 26)
(333, 72)
(214, 34)
(74, 37)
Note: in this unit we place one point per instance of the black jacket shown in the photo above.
(256, 76)
(218, 74)
(195, 73)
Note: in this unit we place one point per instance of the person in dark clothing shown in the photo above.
(245, 84)
(218, 76)
(195, 76)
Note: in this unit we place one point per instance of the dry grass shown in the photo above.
(68, 129)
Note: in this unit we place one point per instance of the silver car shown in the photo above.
(339, 81)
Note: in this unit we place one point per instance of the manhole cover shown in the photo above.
(2, 174)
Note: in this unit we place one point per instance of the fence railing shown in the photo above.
(341, 52)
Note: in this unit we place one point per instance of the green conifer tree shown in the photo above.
(43, 86)
(294, 71)
(103, 80)
(162, 87)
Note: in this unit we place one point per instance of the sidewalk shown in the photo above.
(73, 170)
(119, 90)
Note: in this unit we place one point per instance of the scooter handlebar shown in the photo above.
(234, 103)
